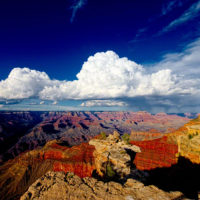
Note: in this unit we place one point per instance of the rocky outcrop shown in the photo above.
(54, 186)
(111, 153)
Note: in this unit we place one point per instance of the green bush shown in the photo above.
(109, 170)
(70, 175)
(103, 135)
(190, 136)
(126, 138)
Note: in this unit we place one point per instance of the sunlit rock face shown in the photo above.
(113, 151)
(64, 187)
(78, 159)
(144, 136)
(164, 152)
(155, 153)
(17, 174)
(188, 140)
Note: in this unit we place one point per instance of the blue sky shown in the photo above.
(129, 55)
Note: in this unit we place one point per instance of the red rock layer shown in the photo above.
(141, 136)
(81, 169)
(78, 159)
(155, 153)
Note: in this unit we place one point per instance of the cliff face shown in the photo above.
(155, 153)
(164, 152)
(14, 125)
(187, 139)
(37, 128)
(108, 157)
(17, 174)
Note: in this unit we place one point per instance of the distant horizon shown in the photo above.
(183, 114)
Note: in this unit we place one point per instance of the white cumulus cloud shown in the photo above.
(103, 103)
(106, 75)
(24, 83)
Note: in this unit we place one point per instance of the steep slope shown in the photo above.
(156, 153)
(164, 152)
(14, 125)
(17, 174)
(188, 140)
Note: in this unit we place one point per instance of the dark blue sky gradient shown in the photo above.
(38, 33)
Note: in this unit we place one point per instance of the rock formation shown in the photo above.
(112, 152)
(54, 186)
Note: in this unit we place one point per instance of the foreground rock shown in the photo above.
(57, 185)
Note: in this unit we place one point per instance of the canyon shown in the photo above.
(164, 164)
(22, 131)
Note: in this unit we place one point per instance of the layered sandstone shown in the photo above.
(188, 140)
(165, 151)
(37, 128)
(156, 153)
(17, 174)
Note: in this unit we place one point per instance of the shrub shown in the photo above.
(190, 136)
(103, 135)
(109, 170)
(126, 138)
(70, 175)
